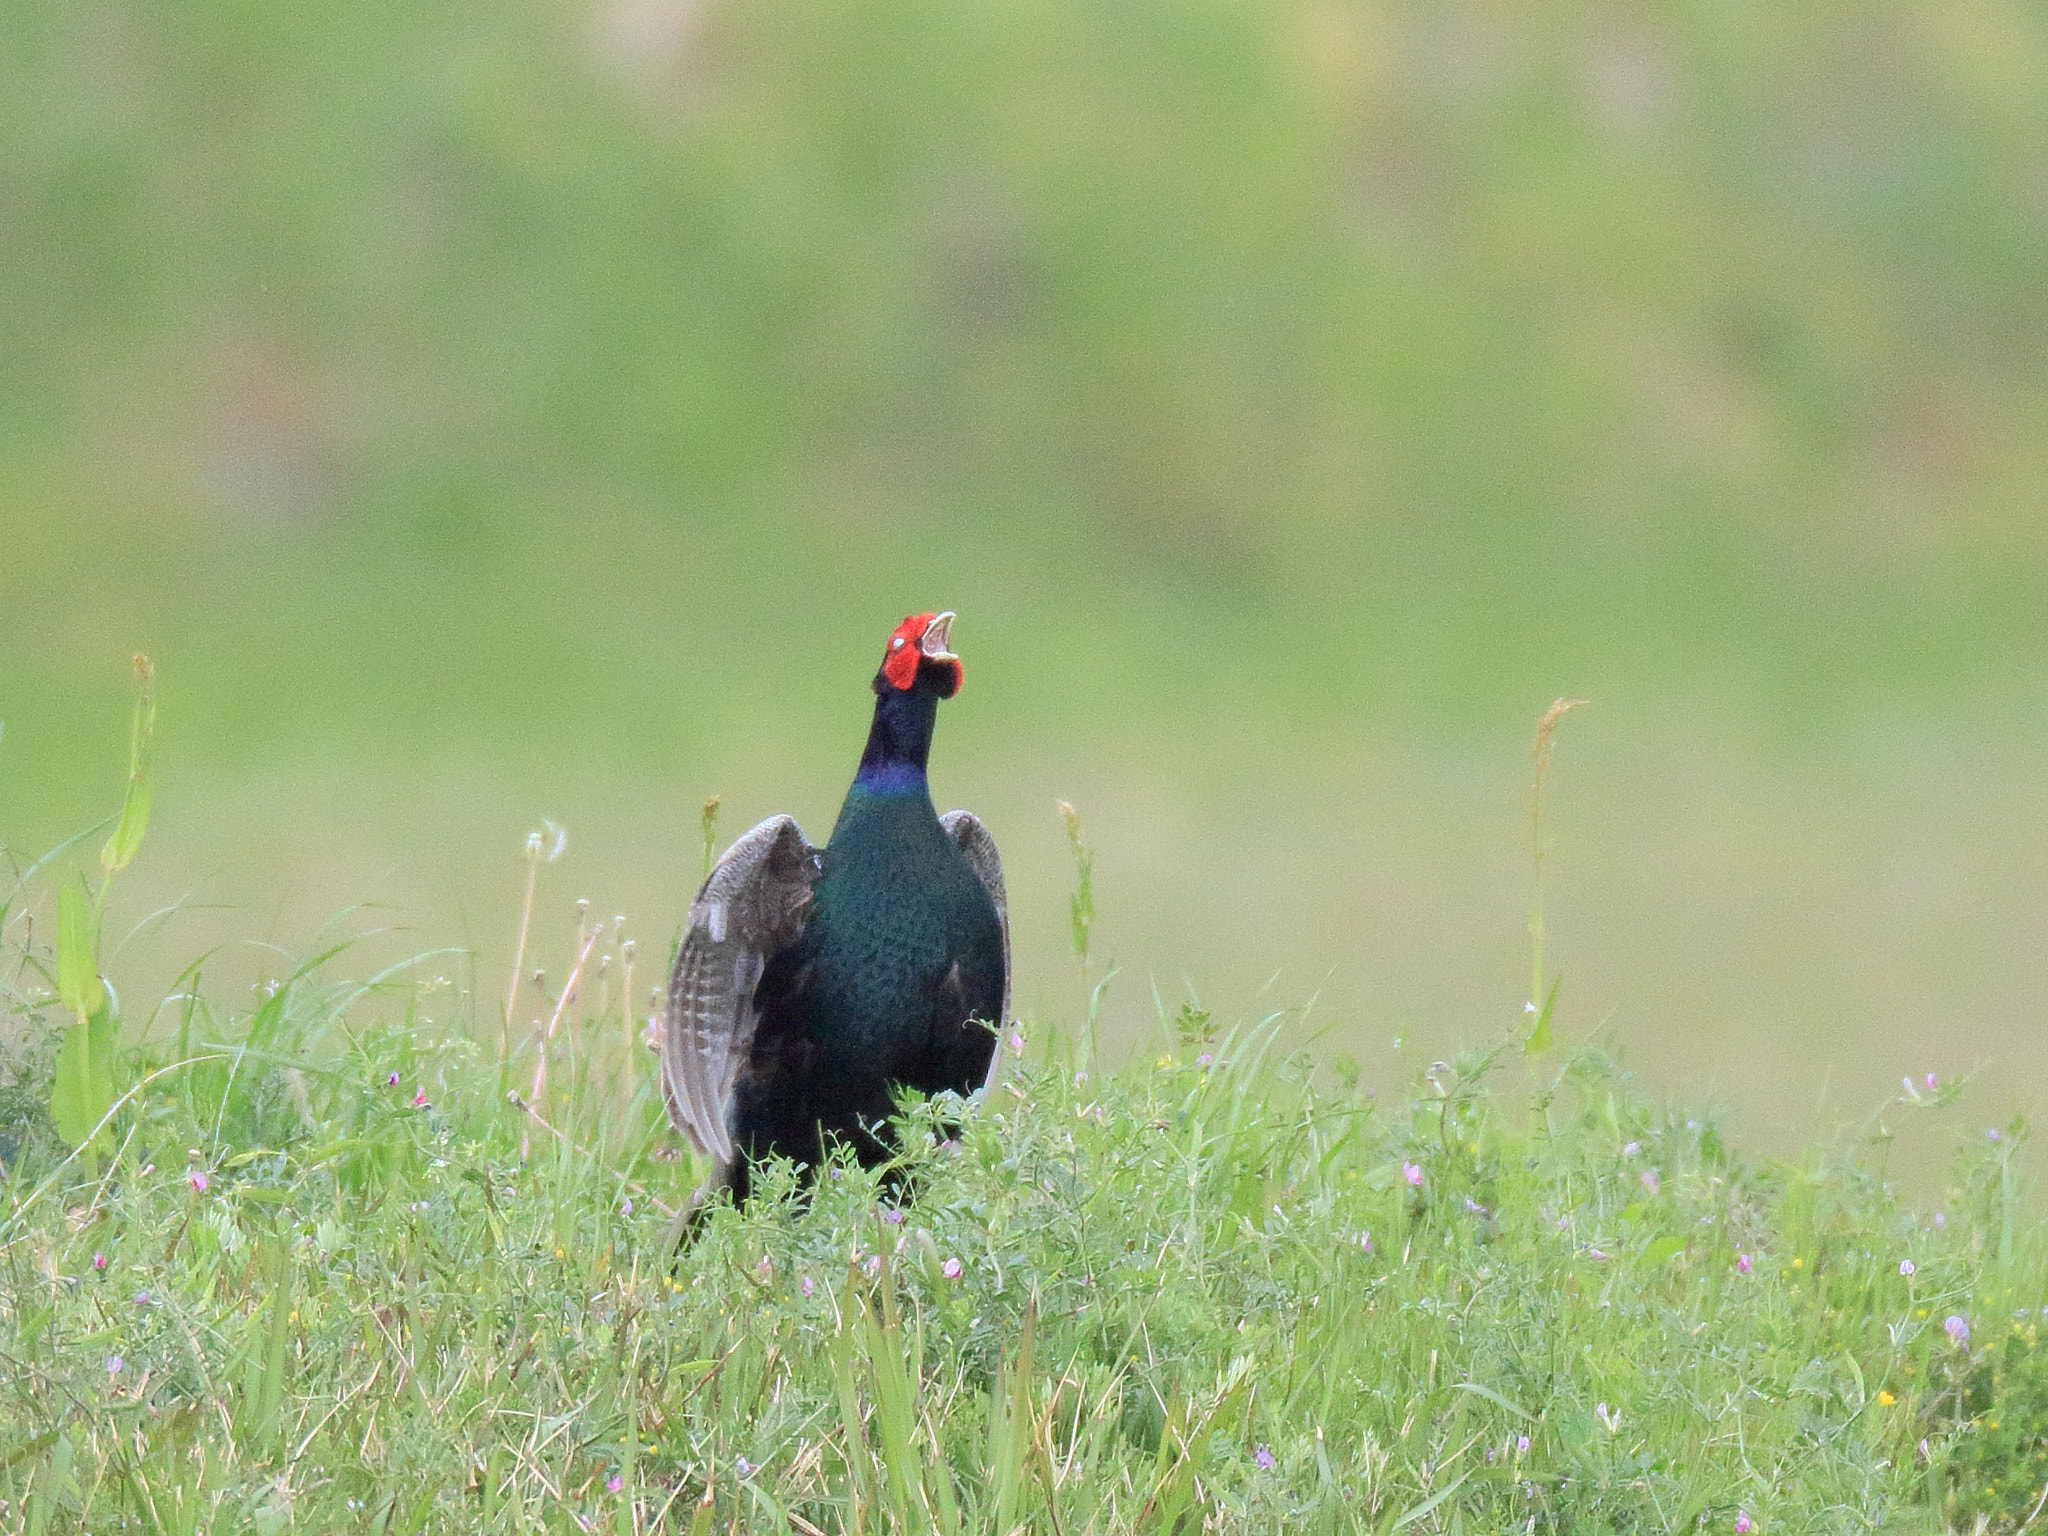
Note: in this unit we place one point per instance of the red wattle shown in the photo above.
(899, 662)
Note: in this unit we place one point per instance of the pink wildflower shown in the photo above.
(1742, 1525)
(1742, 1264)
(419, 1099)
(114, 1364)
(1264, 1457)
(197, 1179)
(391, 1081)
(1412, 1173)
(1905, 1266)
(614, 1483)
(99, 1261)
(950, 1269)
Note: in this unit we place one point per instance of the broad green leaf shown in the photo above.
(127, 838)
(1539, 1032)
(121, 847)
(82, 1088)
(78, 977)
(1663, 1250)
(1010, 1424)
(267, 1360)
(1494, 1397)
(1409, 1517)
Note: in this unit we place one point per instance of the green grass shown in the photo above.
(1199, 1291)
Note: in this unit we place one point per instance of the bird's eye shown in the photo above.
(896, 644)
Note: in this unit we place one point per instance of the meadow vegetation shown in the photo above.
(343, 1256)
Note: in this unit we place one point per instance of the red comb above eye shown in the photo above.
(899, 662)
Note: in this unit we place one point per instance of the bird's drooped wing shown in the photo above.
(979, 850)
(754, 903)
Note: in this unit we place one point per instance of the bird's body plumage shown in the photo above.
(896, 982)
(814, 986)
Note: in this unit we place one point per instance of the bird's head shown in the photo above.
(916, 657)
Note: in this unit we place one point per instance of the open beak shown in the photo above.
(936, 635)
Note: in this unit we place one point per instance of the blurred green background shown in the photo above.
(489, 411)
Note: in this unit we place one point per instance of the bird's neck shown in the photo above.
(890, 797)
(899, 742)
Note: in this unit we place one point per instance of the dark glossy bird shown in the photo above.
(814, 985)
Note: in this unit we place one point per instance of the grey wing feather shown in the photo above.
(754, 903)
(979, 850)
